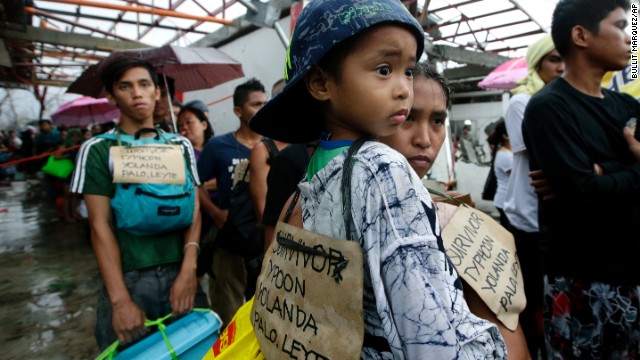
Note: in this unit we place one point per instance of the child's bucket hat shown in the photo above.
(293, 115)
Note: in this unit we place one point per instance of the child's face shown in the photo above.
(419, 139)
(375, 91)
(135, 94)
(611, 46)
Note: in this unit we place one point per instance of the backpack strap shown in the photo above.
(272, 148)
(346, 184)
(116, 135)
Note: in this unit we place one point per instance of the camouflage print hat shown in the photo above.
(293, 115)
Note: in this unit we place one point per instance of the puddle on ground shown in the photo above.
(48, 280)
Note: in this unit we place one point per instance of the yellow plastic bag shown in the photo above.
(237, 341)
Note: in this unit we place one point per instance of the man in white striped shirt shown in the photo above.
(144, 276)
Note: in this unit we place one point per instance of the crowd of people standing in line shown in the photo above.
(563, 153)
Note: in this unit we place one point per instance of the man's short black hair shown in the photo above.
(587, 13)
(113, 70)
(241, 94)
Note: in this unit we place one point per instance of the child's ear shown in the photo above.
(237, 111)
(317, 84)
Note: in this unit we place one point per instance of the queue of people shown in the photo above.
(362, 82)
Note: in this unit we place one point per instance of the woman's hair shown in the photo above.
(495, 138)
(426, 70)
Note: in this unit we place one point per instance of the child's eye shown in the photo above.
(384, 70)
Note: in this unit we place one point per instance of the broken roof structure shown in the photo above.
(50, 42)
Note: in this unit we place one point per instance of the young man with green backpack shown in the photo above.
(143, 212)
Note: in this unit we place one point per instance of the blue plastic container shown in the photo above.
(191, 337)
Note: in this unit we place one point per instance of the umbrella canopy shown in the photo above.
(84, 111)
(505, 76)
(191, 68)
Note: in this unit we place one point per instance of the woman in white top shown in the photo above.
(503, 159)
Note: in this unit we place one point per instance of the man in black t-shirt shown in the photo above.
(590, 244)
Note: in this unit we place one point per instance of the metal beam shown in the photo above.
(47, 82)
(510, 48)
(173, 7)
(217, 11)
(5, 58)
(466, 18)
(466, 72)
(533, 32)
(41, 35)
(143, 10)
(34, 11)
(482, 29)
(123, 21)
(453, 6)
(13, 84)
(465, 56)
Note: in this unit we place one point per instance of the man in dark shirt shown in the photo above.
(590, 244)
(218, 160)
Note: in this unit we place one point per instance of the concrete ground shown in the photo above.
(48, 280)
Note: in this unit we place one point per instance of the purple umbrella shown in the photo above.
(505, 76)
(84, 111)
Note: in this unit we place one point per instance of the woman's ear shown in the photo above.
(317, 82)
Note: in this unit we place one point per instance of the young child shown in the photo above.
(350, 70)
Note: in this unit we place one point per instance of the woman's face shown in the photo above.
(420, 138)
(192, 128)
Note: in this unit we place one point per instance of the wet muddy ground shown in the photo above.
(48, 280)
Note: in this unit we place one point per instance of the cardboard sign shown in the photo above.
(148, 164)
(484, 253)
(301, 310)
